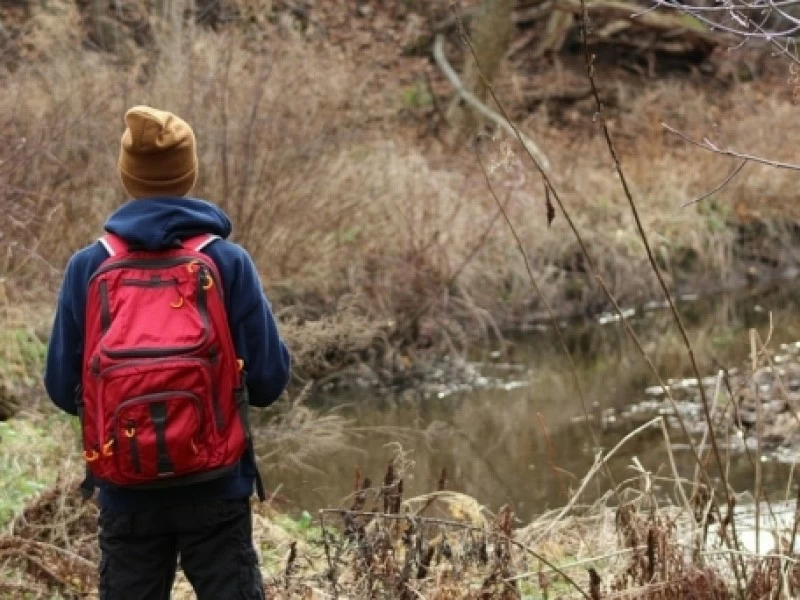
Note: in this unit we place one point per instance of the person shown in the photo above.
(207, 525)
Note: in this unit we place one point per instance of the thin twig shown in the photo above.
(331, 575)
(759, 437)
(731, 176)
(758, 32)
(654, 265)
(711, 147)
(573, 369)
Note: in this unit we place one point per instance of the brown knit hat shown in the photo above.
(157, 155)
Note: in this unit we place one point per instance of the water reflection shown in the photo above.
(530, 445)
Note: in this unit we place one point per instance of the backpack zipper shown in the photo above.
(105, 372)
(149, 263)
(154, 282)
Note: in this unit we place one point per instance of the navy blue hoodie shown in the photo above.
(153, 224)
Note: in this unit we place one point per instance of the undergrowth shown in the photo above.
(439, 545)
(34, 451)
(22, 355)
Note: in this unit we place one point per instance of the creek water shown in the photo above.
(518, 433)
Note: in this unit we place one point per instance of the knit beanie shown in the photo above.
(157, 154)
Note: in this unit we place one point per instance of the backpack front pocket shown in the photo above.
(157, 436)
(154, 315)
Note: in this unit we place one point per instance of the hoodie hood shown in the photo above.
(158, 223)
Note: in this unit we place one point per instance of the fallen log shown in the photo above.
(616, 22)
(671, 25)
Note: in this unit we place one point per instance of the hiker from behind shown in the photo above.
(162, 337)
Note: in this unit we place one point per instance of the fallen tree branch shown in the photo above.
(474, 102)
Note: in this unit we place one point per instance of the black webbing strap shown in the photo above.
(87, 485)
(243, 401)
(158, 415)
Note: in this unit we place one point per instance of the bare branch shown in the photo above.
(748, 29)
(710, 147)
(659, 22)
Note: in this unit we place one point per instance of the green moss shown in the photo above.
(417, 96)
(302, 526)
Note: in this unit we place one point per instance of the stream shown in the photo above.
(517, 432)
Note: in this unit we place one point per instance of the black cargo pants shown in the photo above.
(214, 540)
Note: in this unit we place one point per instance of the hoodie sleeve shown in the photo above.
(65, 348)
(256, 336)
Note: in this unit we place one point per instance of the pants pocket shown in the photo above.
(113, 524)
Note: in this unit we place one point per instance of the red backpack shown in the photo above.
(163, 400)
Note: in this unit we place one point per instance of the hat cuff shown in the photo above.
(142, 188)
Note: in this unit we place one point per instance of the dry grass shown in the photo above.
(22, 351)
(439, 545)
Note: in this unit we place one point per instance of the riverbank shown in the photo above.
(633, 543)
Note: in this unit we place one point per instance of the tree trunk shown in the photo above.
(491, 32)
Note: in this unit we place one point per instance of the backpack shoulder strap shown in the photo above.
(113, 244)
(198, 242)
